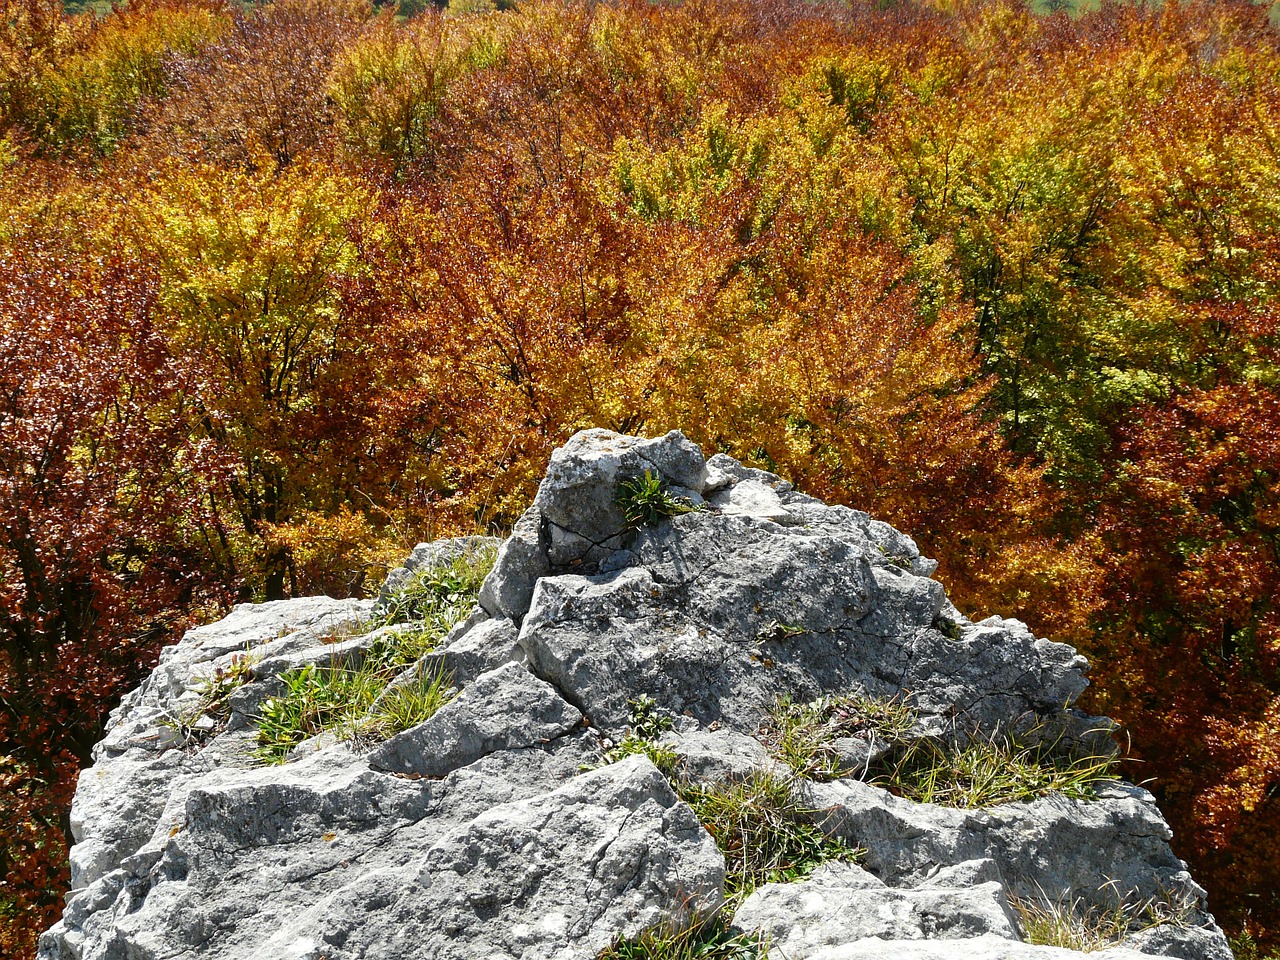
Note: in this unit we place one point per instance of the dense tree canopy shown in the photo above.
(286, 287)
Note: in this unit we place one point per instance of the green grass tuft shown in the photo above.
(1073, 924)
(349, 699)
(804, 735)
(441, 594)
(764, 831)
(982, 773)
(341, 696)
(986, 772)
(699, 938)
(410, 703)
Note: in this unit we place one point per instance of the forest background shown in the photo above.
(287, 288)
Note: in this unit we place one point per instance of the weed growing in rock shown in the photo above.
(806, 736)
(760, 825)
(409, 704)
(699, 938)
(645, 501)
(316, 698)
(985, 772)
(351, 699)
(210, 713)
(763, 830)
(215, 690)
(1072, 923)
(647, 725)
(441, 594)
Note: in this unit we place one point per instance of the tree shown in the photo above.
(99, 538)
(250, 272)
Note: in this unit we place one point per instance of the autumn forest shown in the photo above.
(285, 288)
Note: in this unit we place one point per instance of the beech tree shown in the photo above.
(100, 551)
(249, 272)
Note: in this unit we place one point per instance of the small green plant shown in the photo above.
(198, 723)
(409, 704)
(647, 726)
(645, 501)
(776, 632)
(1245, 947)
(804, 735)
(696, 938)
(316, 698)
(1073, 924)
(215, 690)
(440, 596)
(988, 771)
(336, 696)
(763, 829)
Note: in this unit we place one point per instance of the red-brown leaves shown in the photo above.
(99, 493)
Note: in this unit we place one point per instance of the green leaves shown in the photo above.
(354, 701)
(645, 501)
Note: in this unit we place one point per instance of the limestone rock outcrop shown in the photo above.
(509, 823)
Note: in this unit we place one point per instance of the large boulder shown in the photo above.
(505, 825)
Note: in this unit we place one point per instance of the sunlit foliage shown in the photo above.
(287, 287)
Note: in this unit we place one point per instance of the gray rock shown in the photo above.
(575, 523)
(486, 646)
(1093, 850)
(720, 615)
(560, 875)
(721, 755)
(842, 903)
(987, 947)
(504, 709)
(476, 834)
(751, 498)
(119, 801)
(578, 498)
(1204, 942)
(522, 559)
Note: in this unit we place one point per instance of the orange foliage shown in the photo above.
(1005, 280)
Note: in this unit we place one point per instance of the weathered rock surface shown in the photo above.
(843, 903)
(504, 709)
(986, 947)
(477, 833)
